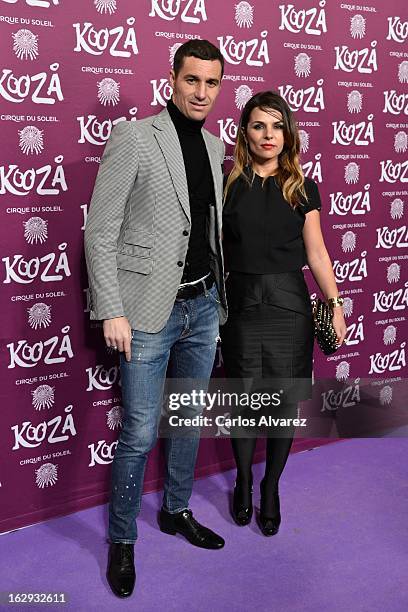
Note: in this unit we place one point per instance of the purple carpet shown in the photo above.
(342, 546)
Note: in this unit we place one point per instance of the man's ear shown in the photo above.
(172, 77)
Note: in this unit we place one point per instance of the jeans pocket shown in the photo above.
(213, 294)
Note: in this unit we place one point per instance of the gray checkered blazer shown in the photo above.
(134, 231)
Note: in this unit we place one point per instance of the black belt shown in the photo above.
(191, 291)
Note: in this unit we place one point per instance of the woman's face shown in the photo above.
(264, 134)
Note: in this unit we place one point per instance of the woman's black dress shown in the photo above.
(269, 332)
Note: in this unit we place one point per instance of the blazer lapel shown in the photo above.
(168, 141)
(214, 158)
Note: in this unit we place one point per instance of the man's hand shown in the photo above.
(118, 334)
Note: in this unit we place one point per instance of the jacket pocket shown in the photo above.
(137, 243)
(142, 265)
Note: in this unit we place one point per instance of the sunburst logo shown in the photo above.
(303, 65)
(46, 475)
(351, 173)
(393, 273)
(348, 306)
(342, 370)
(39, 315)
(304, 138)
(386, 396)
(390, 334)
(244, 14)
(25, 44)
(43, 397)
(35, 230)
(31, 140)
(354, 101)
(403, 72)
(105, 6)
(357, 26)
(108, 92)
(348, 242)
(401, 142)
(115, 417)
(397, 208)
(172, 52)
(243, 93)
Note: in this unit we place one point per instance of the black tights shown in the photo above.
(277, 452)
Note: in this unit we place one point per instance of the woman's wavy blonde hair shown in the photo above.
(290, 176)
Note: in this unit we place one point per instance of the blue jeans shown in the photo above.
(188, 343)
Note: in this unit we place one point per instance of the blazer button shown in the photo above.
(180, 264)
(185, 233)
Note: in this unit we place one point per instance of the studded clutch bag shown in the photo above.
(323, 327)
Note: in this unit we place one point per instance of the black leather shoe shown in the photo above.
(242, 508)
(269, 517)
(121, 574)
(184, 523)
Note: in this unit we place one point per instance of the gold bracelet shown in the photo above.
(335, 301)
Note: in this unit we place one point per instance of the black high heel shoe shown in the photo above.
(269, 519)
(241, 511)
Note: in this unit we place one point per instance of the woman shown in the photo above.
(271, 230)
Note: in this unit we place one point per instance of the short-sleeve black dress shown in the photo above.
(269, 331)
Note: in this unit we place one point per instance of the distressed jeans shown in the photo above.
(188, 344)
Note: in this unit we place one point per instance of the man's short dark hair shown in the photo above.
(201, 49)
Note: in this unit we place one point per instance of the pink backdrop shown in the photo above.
(71, 69)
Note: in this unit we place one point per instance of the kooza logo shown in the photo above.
(390, 362)
(397, 208)
(95, 42)
(39, 315)
(346, 398)
(385, 396)
(303, 65)
(101, 379)
(228, 130)
(392, 238)
(397, 29)
(359, 134)
(355, 332)
(243, 93)
(310, 100)
(357, 26)
(97, 132)
(102, 452)
(354, 101)
(393, 273)
(401, 142)
(31, 140)
(43, 397)
(105, 6)
(348, 242)
(42, 88)
(34, 180)
(395, 103)
(391, 173)
(309, 21)
(394, 300)
(304, 138)
(162, 92)
(47, 474)
(25, 44)
(190, 11)
(254, 52)
(355, 203)
(351, 173)
(313, 168)
(244, 14)
(51, 351)
(355, 270)
(172, 52)
(362, 60)
(28, 435)
(35, 230)
(108, 92)
(51, 267)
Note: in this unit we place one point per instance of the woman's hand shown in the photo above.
(339, 324)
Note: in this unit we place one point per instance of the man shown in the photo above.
(155, 266)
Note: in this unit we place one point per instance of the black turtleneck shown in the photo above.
(200, 190)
